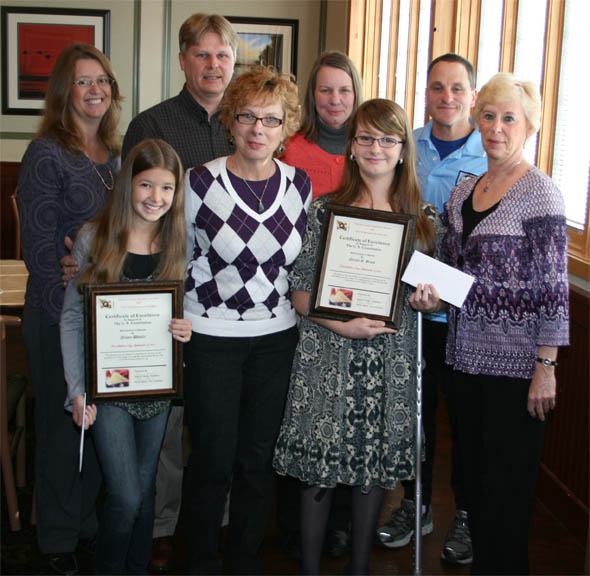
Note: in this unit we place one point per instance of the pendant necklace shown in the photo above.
(259, 198)
(107, 186)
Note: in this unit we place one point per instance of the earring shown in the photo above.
(401, 161)
(352, 158)
(281, 148)
(231, 141)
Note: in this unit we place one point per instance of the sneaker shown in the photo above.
(457, 548)
(399, 530)
(62, 563)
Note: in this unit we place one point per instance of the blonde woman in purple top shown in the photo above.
(507, 228)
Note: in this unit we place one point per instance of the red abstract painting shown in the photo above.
(38, 48)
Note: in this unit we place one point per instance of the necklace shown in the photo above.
(489, 180)
(259, 198)
(107, 186)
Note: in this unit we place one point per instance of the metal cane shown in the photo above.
(418, 483)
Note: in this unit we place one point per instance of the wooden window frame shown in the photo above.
(455, 28)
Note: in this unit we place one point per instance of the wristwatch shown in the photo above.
(546, 361)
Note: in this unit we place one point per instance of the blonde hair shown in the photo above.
(503, 87)
(109, 246)
(196, 26)
(58, 122)
(264, 84)
(389, 118)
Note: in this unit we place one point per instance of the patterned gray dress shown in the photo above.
(350, 412)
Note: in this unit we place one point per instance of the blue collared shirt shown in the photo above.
(438, 177)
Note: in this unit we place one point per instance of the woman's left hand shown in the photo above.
(426, 299)
(180, 328)
(542, 392)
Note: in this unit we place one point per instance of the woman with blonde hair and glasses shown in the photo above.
(65, 178)
(350, 410)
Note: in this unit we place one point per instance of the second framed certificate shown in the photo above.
(130, 354)
(360, 261)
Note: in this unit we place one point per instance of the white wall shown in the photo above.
(15, 131)
(121, 31)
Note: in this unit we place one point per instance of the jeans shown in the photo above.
(128, 451)
(235, 391)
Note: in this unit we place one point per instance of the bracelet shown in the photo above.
(546, 361)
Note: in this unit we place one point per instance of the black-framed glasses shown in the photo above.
(250, 120)
(101, 81)
(385, 142)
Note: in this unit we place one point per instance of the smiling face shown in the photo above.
(89, 104)
(376, 162)
(208, 68)
(256, 142)
(504, 130)
(152, 194)
(334, 96)
(449, 99)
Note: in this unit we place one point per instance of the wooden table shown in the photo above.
(13, 283)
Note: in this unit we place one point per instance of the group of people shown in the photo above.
(329, 405)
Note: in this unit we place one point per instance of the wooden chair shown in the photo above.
(12, 402)
(16, 224)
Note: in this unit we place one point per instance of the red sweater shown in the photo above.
(325, 170)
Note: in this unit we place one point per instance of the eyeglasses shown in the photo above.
(385, 142)
(101, 82)
(250, 120)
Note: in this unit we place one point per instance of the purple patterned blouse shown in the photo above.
(519, 300)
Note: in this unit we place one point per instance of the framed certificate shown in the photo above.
(130, 354)
(361, 258)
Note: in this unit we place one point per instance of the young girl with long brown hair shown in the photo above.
(139, 236)
(350, 410)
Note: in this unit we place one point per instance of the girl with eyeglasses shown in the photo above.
(65, 178)
(350, 410)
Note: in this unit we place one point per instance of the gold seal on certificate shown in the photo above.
(130, 354)
(361, 257)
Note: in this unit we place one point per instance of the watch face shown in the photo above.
(546, 362)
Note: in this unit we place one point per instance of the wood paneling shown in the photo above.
(563, 480)
(8, 182)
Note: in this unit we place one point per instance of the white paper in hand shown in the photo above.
(451, 284)
(82, 435)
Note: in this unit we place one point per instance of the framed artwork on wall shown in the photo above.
(32, 41)
(267, 41)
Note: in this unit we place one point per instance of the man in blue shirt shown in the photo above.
(448, 150)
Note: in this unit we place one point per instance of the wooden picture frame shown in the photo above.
(360, 261)
(129, 352)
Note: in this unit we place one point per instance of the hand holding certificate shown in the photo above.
(360, 260)
(132, 345)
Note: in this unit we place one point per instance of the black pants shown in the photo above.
(235, 391)
(434, 338)
(65, 498)
(502, 447)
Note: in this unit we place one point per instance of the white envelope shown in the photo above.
(451, 284)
